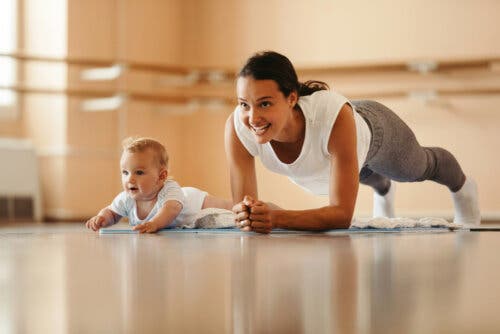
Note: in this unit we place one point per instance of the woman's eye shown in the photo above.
(243, 105)
(265, 104)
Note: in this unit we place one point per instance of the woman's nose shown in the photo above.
(253, 116)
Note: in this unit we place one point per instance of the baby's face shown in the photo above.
(141, 175)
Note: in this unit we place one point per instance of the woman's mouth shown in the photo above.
(260, 130)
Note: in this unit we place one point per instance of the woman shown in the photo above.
(327, 145)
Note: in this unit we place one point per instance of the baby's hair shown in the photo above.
(141, 144)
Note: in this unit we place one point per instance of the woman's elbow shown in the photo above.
(340, 219)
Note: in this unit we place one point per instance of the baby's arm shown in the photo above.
(165, 216)
(104, 218)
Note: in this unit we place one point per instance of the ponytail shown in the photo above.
(311, 86)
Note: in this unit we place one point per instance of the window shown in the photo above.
(8, 68)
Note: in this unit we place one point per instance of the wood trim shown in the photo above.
(402, 66)
(110, 62)
(187, 96)
(398, 66)
(85, 93)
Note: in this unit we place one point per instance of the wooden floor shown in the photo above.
(61, 278)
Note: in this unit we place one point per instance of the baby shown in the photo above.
(150, 200)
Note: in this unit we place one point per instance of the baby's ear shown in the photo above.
(163, 174)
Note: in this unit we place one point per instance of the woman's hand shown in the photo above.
(242, 211)
(253, 215)
(260, 217)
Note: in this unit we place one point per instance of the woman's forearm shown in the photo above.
(325, 218)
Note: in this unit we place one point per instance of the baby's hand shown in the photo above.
(96, 222)
(147, 227)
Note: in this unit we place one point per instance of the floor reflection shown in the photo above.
(410, 284)
(307, 284)
(248, 283)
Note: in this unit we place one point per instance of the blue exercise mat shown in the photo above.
(280, 231)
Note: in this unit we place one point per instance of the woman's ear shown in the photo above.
(293, 98)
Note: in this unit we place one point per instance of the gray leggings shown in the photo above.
(395, 153)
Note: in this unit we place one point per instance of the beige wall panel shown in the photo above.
(213, 33)
(363, 84)
(53, 185)
(154, 120)
(151, 82)
(204, 156)
(45, 30)
(78, 186)
(91, 183)
(77, 79)
(92, 28)
(139, 81)
(44, 75)
(150, 31)
(176, 85)
(332, 32)
(91, 130)
(44, 118)
(11, 128)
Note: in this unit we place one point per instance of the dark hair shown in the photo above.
(270, 65)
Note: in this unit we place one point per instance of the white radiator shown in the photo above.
(20, 197)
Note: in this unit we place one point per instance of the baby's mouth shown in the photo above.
(133, 188)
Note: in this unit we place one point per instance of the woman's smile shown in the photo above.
(260, 130)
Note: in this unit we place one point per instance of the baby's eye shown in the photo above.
(140, 172)
(124, 172)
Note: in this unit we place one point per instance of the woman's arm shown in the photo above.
(242, 174)
(344, 183)
(241, 164)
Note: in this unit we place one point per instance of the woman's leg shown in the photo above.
(396, 154)
(383, 195)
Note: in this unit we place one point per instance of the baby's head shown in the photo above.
(147, 145)
(143, 164)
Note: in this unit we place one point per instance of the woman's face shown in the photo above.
(264, 108)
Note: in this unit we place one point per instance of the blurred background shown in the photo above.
(78, 76)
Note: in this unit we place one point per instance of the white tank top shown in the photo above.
(311, 170)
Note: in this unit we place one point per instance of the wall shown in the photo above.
(321, 32)
(79, 151)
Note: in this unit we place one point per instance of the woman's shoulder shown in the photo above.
(325, 96)
(321, 104)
